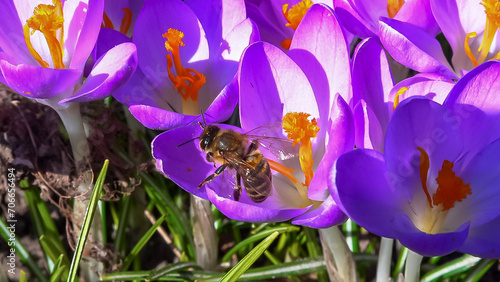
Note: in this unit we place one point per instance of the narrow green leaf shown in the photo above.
(122, 225)
(250, 258)
(351, 235)
(21, 251)
(478, 271)
(58, 274)
(171, 268)
(141, 243)
(258, 237)
(400, 263)
(451, 268)
(87, 222)
(22, 277)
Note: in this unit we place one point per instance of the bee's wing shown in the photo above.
(266, 135)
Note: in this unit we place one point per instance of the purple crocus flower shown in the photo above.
(361, 17)
(289, 104)
(469, 26)
(189, 56)
(278, 19)
(43, 56)
(435, 187)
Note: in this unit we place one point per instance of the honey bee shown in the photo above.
(240, 153)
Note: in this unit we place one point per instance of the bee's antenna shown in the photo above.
(184, 143)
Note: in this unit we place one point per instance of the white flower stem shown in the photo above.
(337, 251)
(412, 269)
(384, 260)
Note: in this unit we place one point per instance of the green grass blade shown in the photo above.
(451, 268)
(351, 235)
(87, 222)
(479, 270)
(141, 243)
(400, 263)
(258, 237)
(22, 252)
(171, 268)
(249, 259)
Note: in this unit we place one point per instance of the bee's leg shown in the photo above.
(211, 177)
(237, 188)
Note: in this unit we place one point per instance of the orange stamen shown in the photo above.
(301, 130)
(49, 20)
(451, 187)
(126, 21)
(288, 172)
(468, 51)
(400, 92)
(393, 7)
(294, 16)
(107, 23)
(424, 170)
(187, 81)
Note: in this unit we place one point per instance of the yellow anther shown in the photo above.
(400, 92)
(393, 7)
(48, 19)
(126, 21)
(294, 16)
(301, 130)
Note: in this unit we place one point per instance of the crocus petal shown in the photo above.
(271, 84)
(185, 165)
(108, 38)
(251, 212)
(110, 72)
(362, 182)
(428, 244)
(218, 17)
(369, 132)
(82, 30)
(223, 105)
(418, 13)
(352, 20)
(159, 118)
(483, 240)
(476, 106)
(413, 47)
(373, 78)
(340, 139)
(420, 122)
(36, 82)
(320, 49)
(432, 86)
(150, 26)
(11, 34)
(324, 216)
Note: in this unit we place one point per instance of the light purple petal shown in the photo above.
(369, 132)
(420, 122)
(418, 13)
(483, 240)
(159, 119)
(372, 78)
(363, 185)
(340, 139)
(320, 49)
(110, 72)
(251, 212)
(82, 30)
(413, 47)
(428, 244)
(271, 85)
(36, 82)
(352, 20)
(11, 34)
(326, 215)
(432, 86)
(223, 106)
(108, 38)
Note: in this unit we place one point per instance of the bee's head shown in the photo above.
(208, 135)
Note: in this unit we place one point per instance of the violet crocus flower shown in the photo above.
(278, 19)
(361, 17)
(435, 187)
(189, 56)
(469, 26)
(45, 46)
(303, 102)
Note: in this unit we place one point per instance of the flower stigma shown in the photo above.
(451, 189)
(492, 11)
(393, 7)
(187, 81)
(294, 16)
(48, 19)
